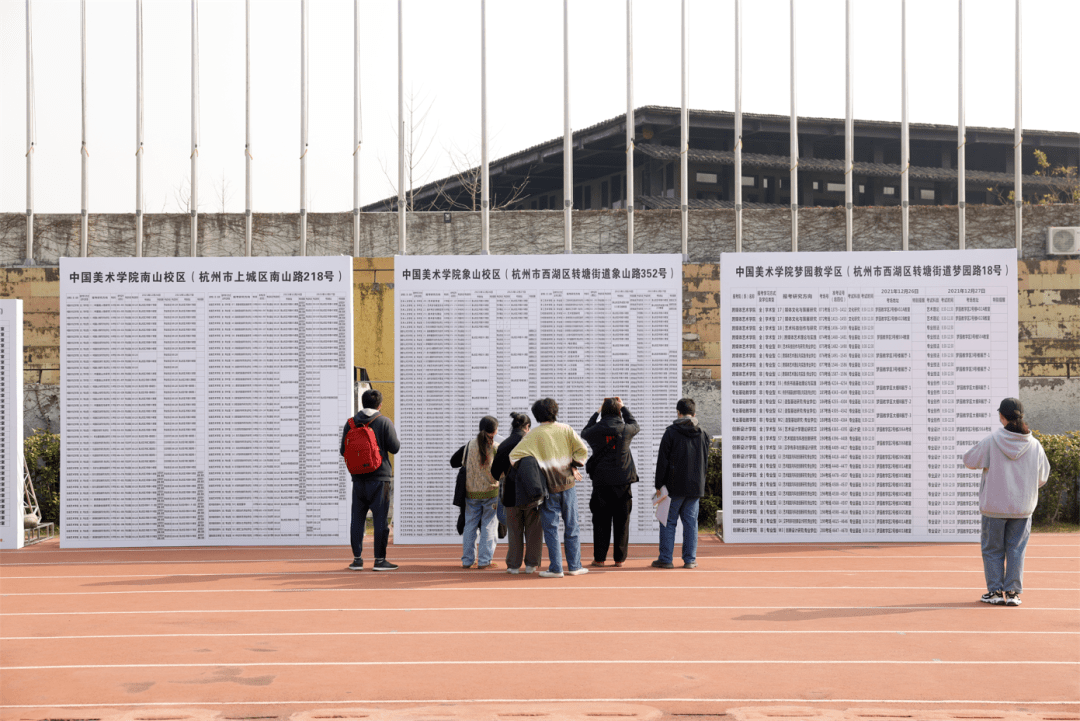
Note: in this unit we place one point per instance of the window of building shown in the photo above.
(888, 190)
(764, 182)
(816, 185)
(707, 178)
(862, 189)
(835, 187)
(926, 193)
(748, 181)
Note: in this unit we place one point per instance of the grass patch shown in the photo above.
(1056, 527)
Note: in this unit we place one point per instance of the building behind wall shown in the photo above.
(532, 179)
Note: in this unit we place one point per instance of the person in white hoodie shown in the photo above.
(1014, 467)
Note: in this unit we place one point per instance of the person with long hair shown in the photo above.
(1014, 467)
(524, 539)
(481, 497)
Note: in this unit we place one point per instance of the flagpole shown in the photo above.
(568, 146)
(849, 125)
(738, 126)
(961, 142)
(630, 127)
(793, 144)
(401, 134)
(684, 141)
(303, 123)
(138, 128)
(247, 127)
(84, 230)
(193, 196)
(1018, 141)
(905, 134)
(30, 137)
(356, 128)
(485, 199)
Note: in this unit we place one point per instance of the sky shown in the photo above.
(442, 78)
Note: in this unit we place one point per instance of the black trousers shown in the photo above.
(611, 506)
(373, 495)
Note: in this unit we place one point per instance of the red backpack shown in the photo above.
(361, 449)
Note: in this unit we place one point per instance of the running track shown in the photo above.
(274, 632)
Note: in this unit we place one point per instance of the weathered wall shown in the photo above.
(711, 232)
(1049, 290)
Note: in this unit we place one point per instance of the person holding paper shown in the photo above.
(611, 469)
(681, 465)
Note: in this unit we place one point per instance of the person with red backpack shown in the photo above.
(366, 444)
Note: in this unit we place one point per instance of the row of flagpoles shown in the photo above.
(568, 166)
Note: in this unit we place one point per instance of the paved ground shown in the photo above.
(757, 632)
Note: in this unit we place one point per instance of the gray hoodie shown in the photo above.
(1014, 467)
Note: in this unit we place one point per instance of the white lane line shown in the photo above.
(486, 589)
(473, 573)
(643, 699)
(980, 632)
(533, 662)
(973, 606)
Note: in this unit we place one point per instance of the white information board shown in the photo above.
(11, 423)
(487, 335)
(853, 383)
(202, 401)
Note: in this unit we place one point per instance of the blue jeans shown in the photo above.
(1003, 543)
(564, 505)
(479, 512)
(686, 509)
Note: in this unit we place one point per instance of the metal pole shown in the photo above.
(30, 139)
(247, 126)
(303, 123)
(684, 141)
(401, 134)
(738, 126)
(905, 134)
(849, 125)
(485, 198)
(630, 127)
(793, 144)
(138, 128)
(193, 196)
(568, 145)
(961, 143)
(1018, 140)
(84, 230)
(356, 128)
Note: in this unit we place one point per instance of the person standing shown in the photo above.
(559, 452)
(481, 496)
(524, 538)
(612, 471)
(681, 465)
(1014, 467)
(371, 490)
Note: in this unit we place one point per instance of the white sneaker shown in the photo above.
(530, 569)
(513, 571)
(579, 572)
(550, 574)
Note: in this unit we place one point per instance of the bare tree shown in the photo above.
(418, 166)
(470, 177)
(222, 191)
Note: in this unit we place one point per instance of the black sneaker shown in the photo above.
(662, 564)
(995, 598)
(357, 564)
(381, 564)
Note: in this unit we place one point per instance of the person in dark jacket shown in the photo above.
(681, 465)
(371, 491)
(612, 473)
(524, 535)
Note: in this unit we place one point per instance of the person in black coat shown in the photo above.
(372, 490)
(681, 465)
(524, 537)
(612, 471)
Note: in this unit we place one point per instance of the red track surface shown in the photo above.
(835, 630)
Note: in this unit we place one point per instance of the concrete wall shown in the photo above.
(1049, 289)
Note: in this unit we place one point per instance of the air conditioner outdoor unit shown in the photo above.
(1063, 241)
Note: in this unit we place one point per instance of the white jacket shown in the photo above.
(1014, 467)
